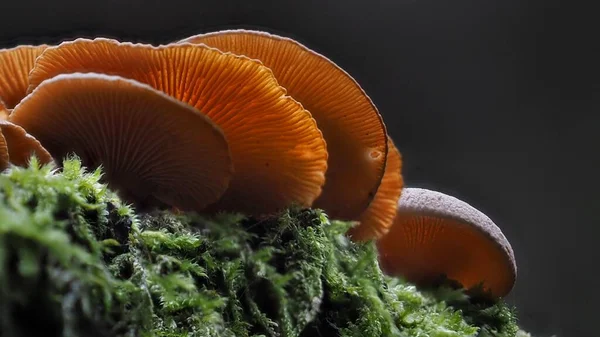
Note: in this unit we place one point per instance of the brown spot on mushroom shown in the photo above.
(15, 65)
(4, 158)
(261, 123)
(436, 235)
(354, 131)
(153, 148)
(21, 145)
(377, 219)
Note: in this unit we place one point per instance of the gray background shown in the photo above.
(495, 102)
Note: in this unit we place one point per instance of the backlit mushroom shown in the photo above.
(436, 235)
(279, 154)
(21, 145)
(155, 150)
(379, 216)
(15, 65)
(354, 131)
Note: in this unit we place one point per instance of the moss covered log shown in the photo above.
(75, 261)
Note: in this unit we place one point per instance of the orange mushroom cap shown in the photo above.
(153, 148)
(21, 145)
(279, 154)
(355, 134)
(377, 219)
(15, 65)
(437, 235)
(4, 158)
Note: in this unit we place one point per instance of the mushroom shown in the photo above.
(16, 145)
(3, 111)
(352, 126)
(379, 216)
(155, 150)
(21, 145)
(15, 65)
(279, 153)
(435, 235)
(4, 159)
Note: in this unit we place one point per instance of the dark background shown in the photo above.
(494, 102)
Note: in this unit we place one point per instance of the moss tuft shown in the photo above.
(54, 232)
(75, 261)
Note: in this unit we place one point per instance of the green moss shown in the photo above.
(77, 262)
(54, 229)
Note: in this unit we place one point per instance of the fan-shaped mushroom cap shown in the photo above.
(435, 235)
(4, 159)
(354, 131)
(279, 154)
(151, 146)
(377, 219)
(15, 65)
(21, 145)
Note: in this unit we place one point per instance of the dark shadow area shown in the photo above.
(496, 103)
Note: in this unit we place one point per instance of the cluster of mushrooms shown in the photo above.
(240, 121)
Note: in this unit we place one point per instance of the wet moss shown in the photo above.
(75, 261)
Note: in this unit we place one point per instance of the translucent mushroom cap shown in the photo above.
(437, 235)
(15, 65)
(352, 126)
(377, 219)
(21, 145)
(154, 149)
(279, 153)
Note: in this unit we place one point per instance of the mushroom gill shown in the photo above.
(377, 219)
(15, 65)
(279, 153)
(3, 111)
(435, 235)
(4, 158)
(352, 126)
(21, 145)
(155, 150)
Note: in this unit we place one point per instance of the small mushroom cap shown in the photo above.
(377, 219)
(353, 128)
(279, 154)
(21, 145)
(4, 158)
(437, 235)
(151, 146)
(15, 65)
